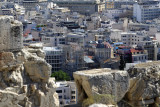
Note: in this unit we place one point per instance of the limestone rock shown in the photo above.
(11, 38)
(27, 83)
(24, 74)
(101, 105)
(109, 85)
(144, 84)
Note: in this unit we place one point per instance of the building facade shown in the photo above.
(146, 10)
(67, 93)
(54, 56)
(131, 39)
(82, 6)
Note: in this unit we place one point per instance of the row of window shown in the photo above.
(72, 97)
(60, 91)
(130, 39)
(54, 61)
(140, 58)
(130, 43)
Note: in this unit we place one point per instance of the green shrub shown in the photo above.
(61, 76)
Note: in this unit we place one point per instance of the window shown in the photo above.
(61, 102)
(60, 97)
(73, 92)
(59, 91)
(73, 97)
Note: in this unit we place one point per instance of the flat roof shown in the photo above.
(52, 49)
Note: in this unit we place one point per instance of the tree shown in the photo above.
(122, 62)
(61, 76)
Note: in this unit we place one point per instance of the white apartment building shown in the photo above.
(131, 39)
(146, 10)
(53, 41)
(67, 93)
(115, 35)
(113, 13)
(54, 56)
(76, 37)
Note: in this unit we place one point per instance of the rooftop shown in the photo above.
(52, 49)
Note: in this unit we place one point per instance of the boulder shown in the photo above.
(104, 86)
(144, 84)
(25, 80)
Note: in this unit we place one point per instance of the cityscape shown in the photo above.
(79, 53)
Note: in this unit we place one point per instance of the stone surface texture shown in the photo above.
(144, 84)
(25, 80)
(10, 34)
(101, 105)
(101, 82)
(24, 74)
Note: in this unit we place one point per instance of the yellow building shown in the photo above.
(109, 5)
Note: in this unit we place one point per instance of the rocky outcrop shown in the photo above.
(101, 85)
(25, 80)
(24, 74)
(138, 87)
(101, 105)
(10, 34)
(144, 85)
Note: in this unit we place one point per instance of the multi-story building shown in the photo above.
(110, 4)
(101, 50)
(138, 26)
(114, 13)
(74, 58)
(131, 39)
(54, 56)
(139, 55)
(76, 37)
(115, 35)
(146, 10)
(152, 48)
(82, 6)
(31, 4)
(53, 40)
(67, 93)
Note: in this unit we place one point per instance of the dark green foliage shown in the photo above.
(40, 26)
(61, 76)
(122, 63)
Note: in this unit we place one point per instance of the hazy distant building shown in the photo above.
(31, 4)
(82, 6)
(131, 39)
(146, 10)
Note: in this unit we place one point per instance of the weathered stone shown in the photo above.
(101, 105)
(144, 84)
(11, 38)
(24, 74)
(26, 84)
(110, 84)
